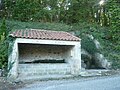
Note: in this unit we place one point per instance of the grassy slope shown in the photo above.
(100, 33)
(37, 25)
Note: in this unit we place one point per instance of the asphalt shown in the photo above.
(104, 83)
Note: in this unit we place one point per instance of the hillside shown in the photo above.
(108, 48)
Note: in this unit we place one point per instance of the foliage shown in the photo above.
(88, 45)
(3, 55)
(114, 31)
(116, 60)
(3, 31)
(32, 10)
(114, 13)
(3, 45)
(12, 25)
(67, 11)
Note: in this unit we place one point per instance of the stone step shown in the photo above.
(43, 77)
(31, 72)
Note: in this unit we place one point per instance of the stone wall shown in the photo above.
(43, 69)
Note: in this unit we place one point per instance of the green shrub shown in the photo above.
(88, 45)
(116, 60)
(3, 45)
(3, 55)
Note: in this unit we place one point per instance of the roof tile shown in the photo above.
(44, 34)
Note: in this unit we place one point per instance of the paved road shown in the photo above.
(105, 83)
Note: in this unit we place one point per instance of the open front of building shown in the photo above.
(41, 57)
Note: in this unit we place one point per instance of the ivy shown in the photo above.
(114, 13)
(3, 45)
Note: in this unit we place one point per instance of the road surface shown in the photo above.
(104, 83)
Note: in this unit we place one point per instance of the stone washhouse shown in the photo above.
(38, 53)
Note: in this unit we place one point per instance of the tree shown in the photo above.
(69, 11)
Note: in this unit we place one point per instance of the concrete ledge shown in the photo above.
(43, 77)
(94, 72)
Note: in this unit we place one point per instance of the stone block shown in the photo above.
(44, 69)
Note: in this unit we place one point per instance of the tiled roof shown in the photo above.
(44, 35)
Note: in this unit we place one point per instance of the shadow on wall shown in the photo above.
(33, 53)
